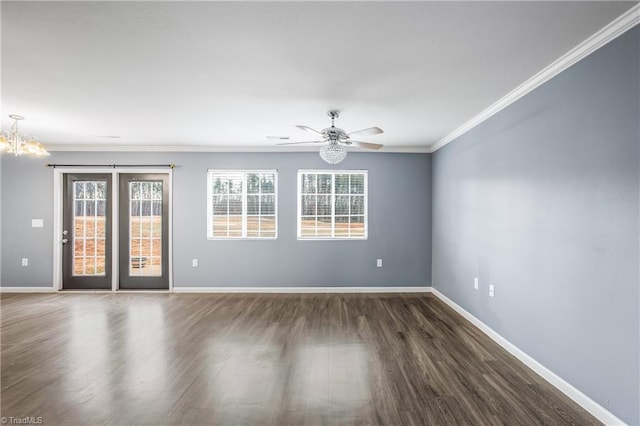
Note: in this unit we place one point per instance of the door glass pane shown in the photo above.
(89, 224)
(145, 228)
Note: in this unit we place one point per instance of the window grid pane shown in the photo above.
(332, 205)
(242, 204)
(89, 200)
(145, 228)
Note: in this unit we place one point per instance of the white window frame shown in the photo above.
(333, 237)
(244, 172)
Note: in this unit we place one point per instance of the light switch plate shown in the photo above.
(194, 263)
(476, 283)
(492, 291)
(379, 263)
(37, 223)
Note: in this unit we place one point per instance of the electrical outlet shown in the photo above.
(379, 263)
(37, 223)
(194, 263)
(492, 291)
(25, 261)
(476, 283)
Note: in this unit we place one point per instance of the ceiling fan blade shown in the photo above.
(367, 145)
(367, 132)
(297, 143)
(308, 129)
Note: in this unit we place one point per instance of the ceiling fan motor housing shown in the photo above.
(335, 134)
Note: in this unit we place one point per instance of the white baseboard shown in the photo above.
(410, 289)
(597, 410)
(27, 290)
(417, 289)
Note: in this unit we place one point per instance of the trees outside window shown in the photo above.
(242, 204)
(332, 204)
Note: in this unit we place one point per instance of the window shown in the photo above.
(89, 240)
(145, 228)
(242, 204)
(332, 204)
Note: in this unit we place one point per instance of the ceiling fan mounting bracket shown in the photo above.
(333, 113)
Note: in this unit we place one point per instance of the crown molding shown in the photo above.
(611, 31)
(218, 148)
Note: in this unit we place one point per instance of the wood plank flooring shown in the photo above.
(261, 359)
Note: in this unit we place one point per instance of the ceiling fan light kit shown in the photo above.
(333, 153)
(337, 139)
(16, 143)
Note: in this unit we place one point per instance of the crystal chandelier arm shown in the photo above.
(17, 144)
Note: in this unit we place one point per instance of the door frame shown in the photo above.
(58, 196)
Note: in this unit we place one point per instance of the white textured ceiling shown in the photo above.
(227, 74)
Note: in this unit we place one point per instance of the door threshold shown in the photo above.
(80, 290)
(142, 290)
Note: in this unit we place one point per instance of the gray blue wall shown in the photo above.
(399, 223)
(542, 200)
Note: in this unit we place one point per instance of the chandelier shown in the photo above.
(16, 143)
(333, 153)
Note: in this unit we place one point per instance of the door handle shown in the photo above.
(65, 241)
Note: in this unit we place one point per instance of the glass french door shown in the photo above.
(86, 235)
(144, 230)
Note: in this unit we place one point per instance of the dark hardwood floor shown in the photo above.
(125, 359)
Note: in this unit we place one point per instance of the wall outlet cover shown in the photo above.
(492, 291)
(476, 283)
(379, 263)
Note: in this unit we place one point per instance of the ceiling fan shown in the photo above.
(336, 139)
